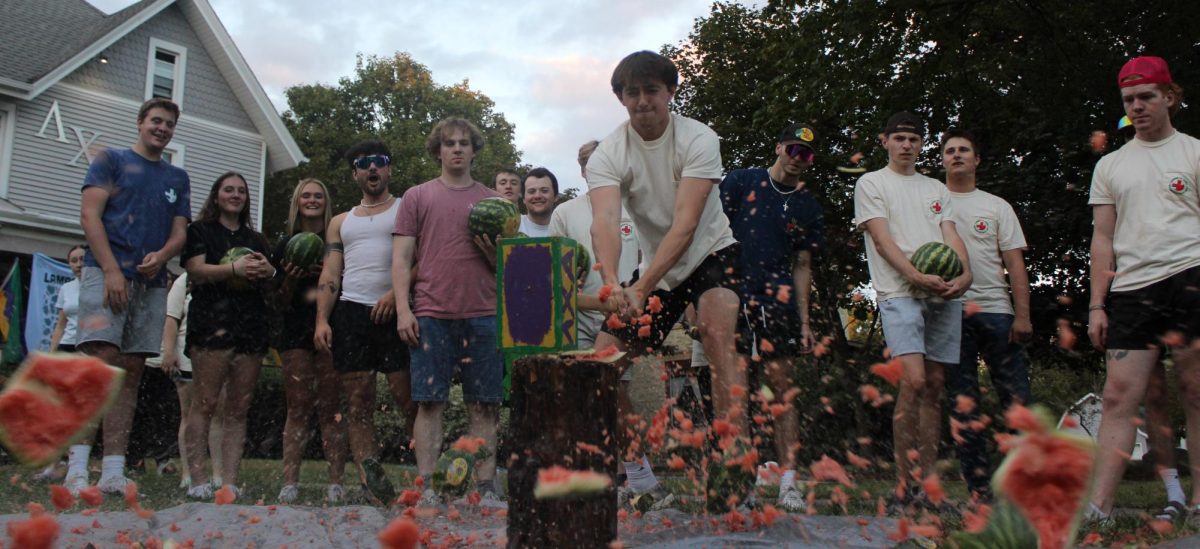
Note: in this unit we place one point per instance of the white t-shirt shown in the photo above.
(533, 229)
(68, 303)
(178, 301)
(648, 174)
(573, 219)
(1153, 186)
(914, 206)
(988, 227)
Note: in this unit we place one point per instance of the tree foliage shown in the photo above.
(1031, 79)
(393, 99)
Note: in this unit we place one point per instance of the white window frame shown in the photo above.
(8, 134)
(180, 54)
(178, 154)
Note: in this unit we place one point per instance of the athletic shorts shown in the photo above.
(136, 330)
(1138, 318)
(361, 345)
(718, 270)
(467, 345)
(930, 326)
(778, 325)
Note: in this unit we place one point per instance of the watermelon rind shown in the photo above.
(1006, 528)
(453, 472)
(570, 484)
(233, 254)
(304, 249)
(23, 382)
(583, 262)
(938, 259)
(494, 217)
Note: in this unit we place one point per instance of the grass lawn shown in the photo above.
(261, 479)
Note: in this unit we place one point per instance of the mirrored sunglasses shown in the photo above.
(364, 162)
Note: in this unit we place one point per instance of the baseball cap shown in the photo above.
(799, 132)
(904, 122)
(1146, 69)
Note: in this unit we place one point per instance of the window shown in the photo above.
(8, 123)
(165, 69)
(174, 154)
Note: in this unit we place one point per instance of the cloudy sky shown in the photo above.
(545, 63)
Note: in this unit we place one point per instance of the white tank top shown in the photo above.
(368, 255)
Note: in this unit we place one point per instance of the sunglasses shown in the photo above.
(364, 162)
(797, 150)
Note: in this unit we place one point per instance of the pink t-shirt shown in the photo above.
(453, 279)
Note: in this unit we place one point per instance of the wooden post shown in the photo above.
(562, 411)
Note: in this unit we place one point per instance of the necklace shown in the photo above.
(384, 201)
(787, 194)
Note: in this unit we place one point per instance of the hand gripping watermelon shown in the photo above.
(938, 259)
(53, 401)
(304, 249)
(495, 217)
(238, 282)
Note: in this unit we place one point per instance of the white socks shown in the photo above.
(1170, 478)
(112, 467)
(77, 460)
(787, 480)
(641, 477)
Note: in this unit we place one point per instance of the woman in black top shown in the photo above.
(309, 379)
(227, 325)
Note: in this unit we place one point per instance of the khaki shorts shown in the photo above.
(136, 330)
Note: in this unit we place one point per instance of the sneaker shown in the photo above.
(623, 496)
(377, 485)
(1175, 510)
(50, 474)
(200, 492)
(334, 494)
(1093, 517)
(791, 500)
(656, 499)
(166, 467)
(491, 499)
(237, 492)
(429, 498)
(113, 484)
(185, 481)
(76, 483)
(289, 493)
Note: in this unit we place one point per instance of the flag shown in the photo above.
(41, 303)
(10, 322)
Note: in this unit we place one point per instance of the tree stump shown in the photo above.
(564, 412)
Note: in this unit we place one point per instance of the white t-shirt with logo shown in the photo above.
(648, 174)
(573, 219)
(915, 207)
(988, 227)
(1153, 186)
(533, 229)
(68, 303)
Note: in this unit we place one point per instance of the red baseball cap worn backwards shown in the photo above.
(1144, 70)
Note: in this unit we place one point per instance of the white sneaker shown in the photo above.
(49, 474)
(76, 483)
(288, 493)
(791, 500)
(429, 498)
(201, 492)
(334, 494)
(113, 485)
(491, 499)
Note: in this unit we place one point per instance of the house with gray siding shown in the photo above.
(71, 81)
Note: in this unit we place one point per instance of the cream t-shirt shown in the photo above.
(649, 172)
(988, 227)
(1153, 186)
(573, 219)
(915, 207)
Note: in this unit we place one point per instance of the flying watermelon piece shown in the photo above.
(53, 401)
(558, 482)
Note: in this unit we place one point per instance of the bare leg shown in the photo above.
(717, 313)
(298, 379)
(1125, 387)
(239, 393)
(1160, 434)
(209, 370)
(787, 425)
(930, 429)
(119, 419)
(184, 390)
(906, 417)
(360, 411)
(428, 434)
(400, 385)
(483, 418)
(216, 434)
(329, 405)
(1187, 360)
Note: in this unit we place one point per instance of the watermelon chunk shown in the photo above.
(304, 249)
(53, 401)
(560, 482)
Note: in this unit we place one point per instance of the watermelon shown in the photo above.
(938, 259)
(238, 282)
(559, 482)
(453, 472)
(583, 262)
(53, 401)
(495, 217)
(1006, 529)
(304, 249)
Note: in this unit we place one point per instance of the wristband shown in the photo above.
(1097, 308)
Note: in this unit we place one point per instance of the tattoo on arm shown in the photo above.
(1118, 354)
(332, 247)
(331, 286)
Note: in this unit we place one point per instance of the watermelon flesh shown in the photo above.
(54, 400)
(304, 249)
(560, 482)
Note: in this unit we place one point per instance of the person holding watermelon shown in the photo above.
(899, 212)
(309, 379)
(450, 323)
(227, 337)
(665, 169)
(134, 210)
(355, 310)
(783, 226)
(1145, 273)
(994, 241)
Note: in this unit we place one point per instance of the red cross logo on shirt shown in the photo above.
(936, 206)
(626, 229)
(981, 226)
(1178, 185)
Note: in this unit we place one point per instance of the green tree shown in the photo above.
(393, 99)
(1032, 79)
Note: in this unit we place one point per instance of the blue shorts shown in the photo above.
(930, 326)
(466, 344)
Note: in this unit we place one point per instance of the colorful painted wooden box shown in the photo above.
(535, 295)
